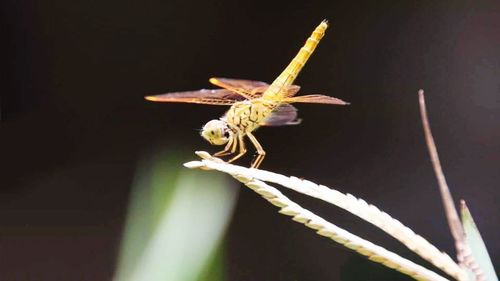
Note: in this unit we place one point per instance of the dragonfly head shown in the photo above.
(216, 132)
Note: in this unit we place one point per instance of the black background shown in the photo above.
(74, 123)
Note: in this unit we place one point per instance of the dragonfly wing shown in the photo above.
(247, 85)
(284, 114)
(316, 99)
(214, 97)
(247, 88)
(292, 91)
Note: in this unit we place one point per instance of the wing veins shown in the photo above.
(213, 97)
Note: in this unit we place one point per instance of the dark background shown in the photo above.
(74, 123)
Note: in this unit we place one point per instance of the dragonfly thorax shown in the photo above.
(216, 132)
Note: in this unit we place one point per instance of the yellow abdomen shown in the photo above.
(278, 89)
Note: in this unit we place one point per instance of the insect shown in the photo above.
(253, 104)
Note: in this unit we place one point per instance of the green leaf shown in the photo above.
(175, 223)
(476, 244)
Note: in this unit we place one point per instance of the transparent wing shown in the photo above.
(284, 114)
(248, 88)
(245, 85)
(292, 91)
(316, 99)
(214, 97)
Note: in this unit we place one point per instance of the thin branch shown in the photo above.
(449, 207)
(322, 227)
(464, 257)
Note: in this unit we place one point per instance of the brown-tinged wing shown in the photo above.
(315, 99)
(214, 97)
(284, 114)
(292, 91)
(247, 88)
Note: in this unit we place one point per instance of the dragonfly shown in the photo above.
(253, 104)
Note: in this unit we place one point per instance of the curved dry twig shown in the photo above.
(449, 207)
(464, 254)
(350, 203)
(322, 227)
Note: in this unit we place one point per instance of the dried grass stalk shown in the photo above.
(347, 202)
(309, 219)
(464, 253)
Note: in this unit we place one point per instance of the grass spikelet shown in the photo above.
(348, 202)
(327, 229)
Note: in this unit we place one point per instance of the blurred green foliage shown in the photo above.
(175, 223)
(476, 244)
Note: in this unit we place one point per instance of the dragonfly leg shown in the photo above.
(229, 149)
(260, 151)
(243, 149)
